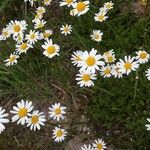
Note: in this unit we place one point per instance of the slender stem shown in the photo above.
(25, 10)
(136, 85)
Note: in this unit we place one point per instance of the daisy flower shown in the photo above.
(127, 65)
(32, 37)
(108, 5)
(40, 10)
(46, 34)
(11, 60)
(85, 78)
(105, 71)
(76, 57)
(5, 33)
(59, 134)
(142, 57)
(101, 16)
(87, 147)
(17, 27)
(115, 71)
(80, 8)
(19, 38)
(148, 73)
(99, 144)
(67, 29)
(57, 111)
(97, 35)
(47, 2)
(36, 119)
(31, 2)
(91, 61)
(67, 2)
(23, 47)
(39, 24)
(51, 49)
(148, 125)
(109, 56)
(3, 119)
(21, 112)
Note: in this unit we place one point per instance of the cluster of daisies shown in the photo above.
(23, 113)
(26, 39)
(91, 64)
(98, 144)
(82, 7)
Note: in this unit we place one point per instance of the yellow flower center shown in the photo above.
(66, 29)
(101, 17)
(22, 112)
(81, 6)
(16, 28)
(57, 111)
(110, 59)
(24, 46)
(59, 133)
(108, 6)
(127, 66)
(86, 77)
(99, 146)
(107, 71)
(46, 35)
(96, 36)
(69, 1)
(5, 33)
(34, 119)
(12, 58)
(90, 61)
(51, 50)
(32, 36)
(143, 55)
(46, 1)
(40, 25)
(40, 11)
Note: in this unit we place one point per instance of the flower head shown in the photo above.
(80, 8)
(97, 35)
(101, 16)
(59, 134)
(36, 119)
(22, 112)
(99, 144)
(108, 5)
(50, 49)
(32, 37)
(105, 71)
(17, 27)
(142, 57)
(85, 78)
(56, 111)
(11, 60)
(67, 29)
(127, 65)
(91, 61)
